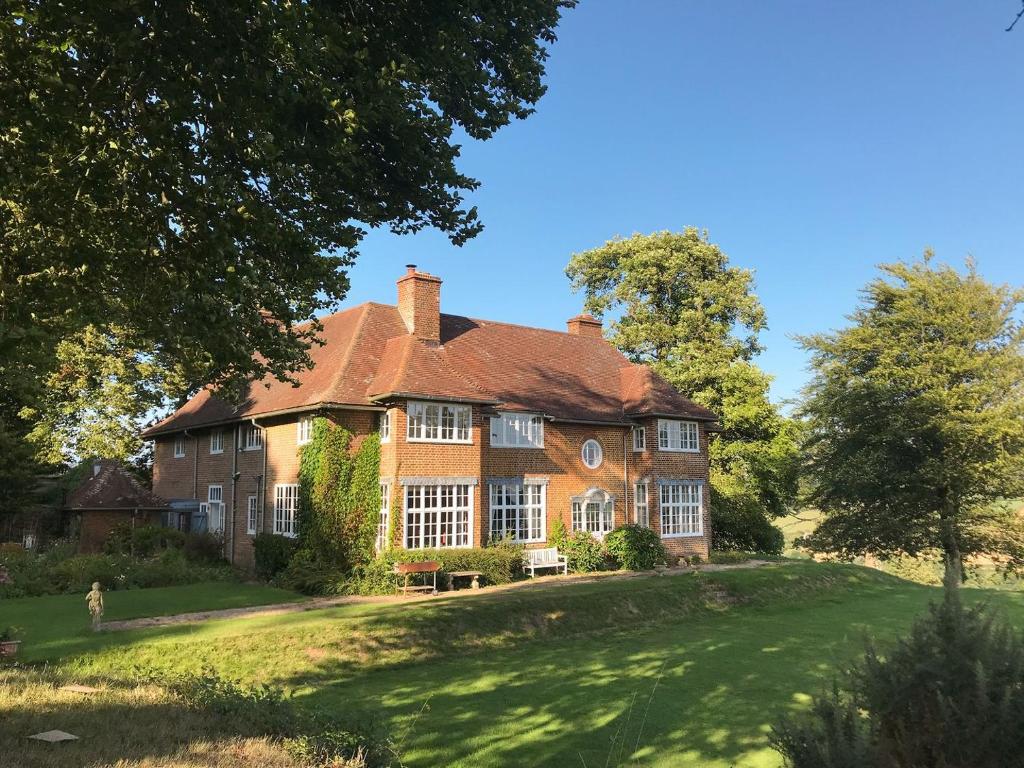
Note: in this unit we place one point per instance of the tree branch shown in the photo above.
(1017, 17)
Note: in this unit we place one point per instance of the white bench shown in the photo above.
(533, 559)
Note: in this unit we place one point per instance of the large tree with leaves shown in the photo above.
(915, 418)
(679, 306)
(191, 180)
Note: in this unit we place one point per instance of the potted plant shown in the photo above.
(8, 645)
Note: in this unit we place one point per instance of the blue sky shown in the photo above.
(813, 140)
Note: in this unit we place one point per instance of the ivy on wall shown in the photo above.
(339, 495)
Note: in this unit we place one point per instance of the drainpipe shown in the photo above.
(195, 466)
(625, 470)
(234, 493)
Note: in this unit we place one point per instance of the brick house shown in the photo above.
(486, 429)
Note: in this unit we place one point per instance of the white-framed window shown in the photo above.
(517, 430)
(438, 423)
(592, 454)
(678, 436)
(217, 441)
(384, 427)
(385, 516)
(640, 508)
(639, 439)
(251, 438)
(179, 446)
(215, 508)
(593, 512)
(251, 511)
(681, 508)
(438, 516)
(304, 430)
(518, 511)
(286, 508)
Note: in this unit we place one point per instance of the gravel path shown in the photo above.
(318, 603)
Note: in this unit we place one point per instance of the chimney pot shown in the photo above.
(410, 269)
(585, 325)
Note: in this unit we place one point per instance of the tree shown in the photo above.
(695, 319)
(200, 175)
(915, 418)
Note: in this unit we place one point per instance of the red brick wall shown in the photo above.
(96, 526)
(559, 462)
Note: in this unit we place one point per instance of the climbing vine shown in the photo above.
(339, 495)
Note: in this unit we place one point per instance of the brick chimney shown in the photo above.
(419, 304)
(585, 325)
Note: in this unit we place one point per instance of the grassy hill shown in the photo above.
(683, 670)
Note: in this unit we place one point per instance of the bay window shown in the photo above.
(681, 508)
(438, 423)
(438, 516)
(518, 511)
(681, 436)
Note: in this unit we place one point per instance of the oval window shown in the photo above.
(592, 454)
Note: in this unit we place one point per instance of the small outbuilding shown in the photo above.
(109, 496)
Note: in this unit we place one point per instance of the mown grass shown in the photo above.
(681, 670)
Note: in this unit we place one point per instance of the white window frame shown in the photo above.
(418, 517)
(428, 422)
(681, 508)
(604, 513)
(217, 441)
(252, 510)
(639, 439)
(304, 429)
(286, 509)
(678, 436)
(590, 441)
(179, 446)
(517, 430)
(642, 508)
(250, 438)
(384, 519)
(215, 508)
(384, 427)
(518, 506)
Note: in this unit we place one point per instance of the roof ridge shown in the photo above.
(526, 327)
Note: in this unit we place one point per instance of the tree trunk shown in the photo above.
(951, 547)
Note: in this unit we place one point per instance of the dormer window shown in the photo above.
(438, 423)
(679, 436)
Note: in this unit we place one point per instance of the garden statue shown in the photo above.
(95, 602)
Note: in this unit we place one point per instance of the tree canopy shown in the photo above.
(679, 306)
(915, 418)
(191, 181)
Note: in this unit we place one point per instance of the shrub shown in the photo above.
(272, 553)
(728, 557)
(308, 575)
(635, 547)
(144, 541)
(740, 524)
(583, 552)
(951, 693)
(499, 563)
(204, 547)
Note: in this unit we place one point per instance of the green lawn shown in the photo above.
(58, 626)
(686, 670)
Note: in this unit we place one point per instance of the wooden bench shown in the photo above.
(408, 569)
(535, 559)
(474, 575)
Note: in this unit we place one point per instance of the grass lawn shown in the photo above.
(686, 670)
(57, 626)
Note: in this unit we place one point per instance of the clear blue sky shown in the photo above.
(814, 140)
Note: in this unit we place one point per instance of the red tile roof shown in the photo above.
(368, 356)
(113, 487)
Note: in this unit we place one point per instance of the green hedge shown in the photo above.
(272, 554)
(499, 564)
(635, 547)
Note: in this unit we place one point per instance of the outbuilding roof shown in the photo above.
(111, 486)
